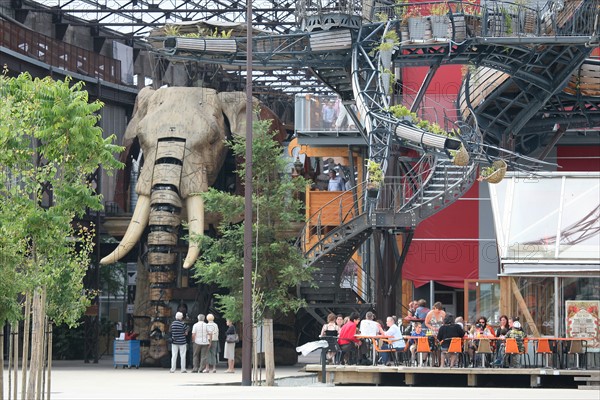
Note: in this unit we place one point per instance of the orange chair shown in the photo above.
(543, 350)
(390, 349)
(456, 347)
(512, 350)
(422, 348)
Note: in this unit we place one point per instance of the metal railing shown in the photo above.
(59, 54)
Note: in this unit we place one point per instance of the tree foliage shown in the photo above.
(49, 147)
(278, 264)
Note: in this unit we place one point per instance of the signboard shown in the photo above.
(582, 321)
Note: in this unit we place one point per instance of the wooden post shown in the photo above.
(269, 352)
(523, 307)
(505, 296)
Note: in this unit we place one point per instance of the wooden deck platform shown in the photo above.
(427, 376)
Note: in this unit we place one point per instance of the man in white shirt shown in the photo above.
(395, 335)
(368, 327)
(201, 337)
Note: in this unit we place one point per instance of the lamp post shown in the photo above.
(247, 285)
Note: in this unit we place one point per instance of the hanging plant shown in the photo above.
(460, 157)
(494, 173)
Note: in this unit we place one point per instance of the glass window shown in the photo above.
(538, 293)
(579, 220)
(482, 300)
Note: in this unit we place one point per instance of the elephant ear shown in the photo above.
(140, 109)
(234, 108)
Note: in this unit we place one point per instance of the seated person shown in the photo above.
(330, 329)
(517, 333)
(449, 330)
(346, 339)
(368, 327)
(417, 332)
(480, 330)
(395, 336)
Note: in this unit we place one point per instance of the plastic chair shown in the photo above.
(543, 350)
(483, 348)
(577, 348)
(512, 350)
(423, 347)
(456, 347)
(390, 350)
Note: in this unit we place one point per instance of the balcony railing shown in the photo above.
(59, 54)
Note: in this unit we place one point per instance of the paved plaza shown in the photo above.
(75, 380)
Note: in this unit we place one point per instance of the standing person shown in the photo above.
(449, 330)
(421, 310)
(435, 318)
(201, 340)
(329, 115)
(213, 347)
(179, 332)
(229, 352)
(335, 182)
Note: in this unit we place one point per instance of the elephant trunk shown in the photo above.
(163, 223)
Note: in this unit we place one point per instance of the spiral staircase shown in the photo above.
(526, 81)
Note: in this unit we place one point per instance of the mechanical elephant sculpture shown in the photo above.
(181, 132)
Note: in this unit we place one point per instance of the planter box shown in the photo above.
(439, 26)
(418, 27)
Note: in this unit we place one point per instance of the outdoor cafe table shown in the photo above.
(372, 338)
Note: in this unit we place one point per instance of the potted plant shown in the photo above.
(494, 173)
(374, 177)
(389, 42)
(401, 112)
(417, 24)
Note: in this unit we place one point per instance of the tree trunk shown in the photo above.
(269, 353)
(2, 360)
(25, 356)
(49, 359)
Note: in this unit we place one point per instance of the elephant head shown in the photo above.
(182, 134)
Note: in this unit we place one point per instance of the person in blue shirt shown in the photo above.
(417, 332)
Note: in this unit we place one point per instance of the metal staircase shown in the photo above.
(531, 65)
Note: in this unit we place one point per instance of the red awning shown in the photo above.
(445, 247)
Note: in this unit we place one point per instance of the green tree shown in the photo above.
(49, 147)
(278, 264)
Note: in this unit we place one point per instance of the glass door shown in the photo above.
(482, 298)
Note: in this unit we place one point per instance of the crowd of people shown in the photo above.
(204, 338)
(355, 337)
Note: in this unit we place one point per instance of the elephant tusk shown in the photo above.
(195, 210)
(139, 220)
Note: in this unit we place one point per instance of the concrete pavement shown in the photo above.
(75, 380)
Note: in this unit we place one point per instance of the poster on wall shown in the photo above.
(583, 322)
